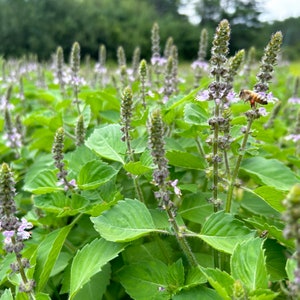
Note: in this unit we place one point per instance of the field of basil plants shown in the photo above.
(151, 179)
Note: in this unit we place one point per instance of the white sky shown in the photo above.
(280, 9)
(272, 10)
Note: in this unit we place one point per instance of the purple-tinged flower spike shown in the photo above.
(161, 180)
(234, 65)
(168, 47)
(100, 68)
(291, 218)
(76, 80)
(156, 60)
(200, 66)
(58, 156)
(13, 229)
(143, 71)
(249, 64)
(175, 80)
(268, 61)
(136, 62)
(158, 153)
(12, 136)
(122, 66)
(59, 72)
(126, 118)
(121, 57)
(80, 131)
(168, 89)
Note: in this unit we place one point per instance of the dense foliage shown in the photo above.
(154, 181)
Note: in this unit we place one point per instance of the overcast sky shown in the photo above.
(280, 9)
(272, 10)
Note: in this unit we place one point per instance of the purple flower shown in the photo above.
(293, 137)
(177, 190)
(262, 112)
(198, 64)
(294, 100)
(157, 60)
(202, 96)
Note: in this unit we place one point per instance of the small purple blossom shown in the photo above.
(293, 137)
(202, 96)
(198, 64)
(177, 190)
(294, 100)
(158, 61)
(262, 111)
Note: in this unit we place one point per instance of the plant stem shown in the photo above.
(216, 160)
(181, 239)
(237, 167)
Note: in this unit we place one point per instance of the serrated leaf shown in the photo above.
(185, 160)
(47, 254)
(96, 287)
(248, 264)
(126, 221)
(195, 114)
(150, 280)
(270, 172)
(90, 260)
(60, 204)
(136, 168)
(272, 196)
(106, 142)
(94, 174)
(195, 208)
(221, 281)
(198, 293)
(223, 232)
(7, 295)
(43, 182)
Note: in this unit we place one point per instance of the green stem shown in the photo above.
(237, 167)
(182, 241)
(216, 159)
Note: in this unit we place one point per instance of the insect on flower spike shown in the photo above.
(253, 98)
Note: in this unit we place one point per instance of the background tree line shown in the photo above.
(39, 26)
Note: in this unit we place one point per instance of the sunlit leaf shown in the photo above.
(270, 172)
(106, 142)
(248, 264)
(89, 261)
(126, 221)
(223, 232)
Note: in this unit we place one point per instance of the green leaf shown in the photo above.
(185, 160)
(269, 172)
(126, 221)
(195, 208)
(106, 142)
(248, 264)
(198, 293)
(272, 196)
(95, 173)
(60, 204)
(196, 114)
(290, 268)
(275, 259)
(96, 287)
(43, 182)
(223, 232)
(7, 295)
(152, 279)
(136, 168)
(90, 260)
(47, 254)
(221, 281)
